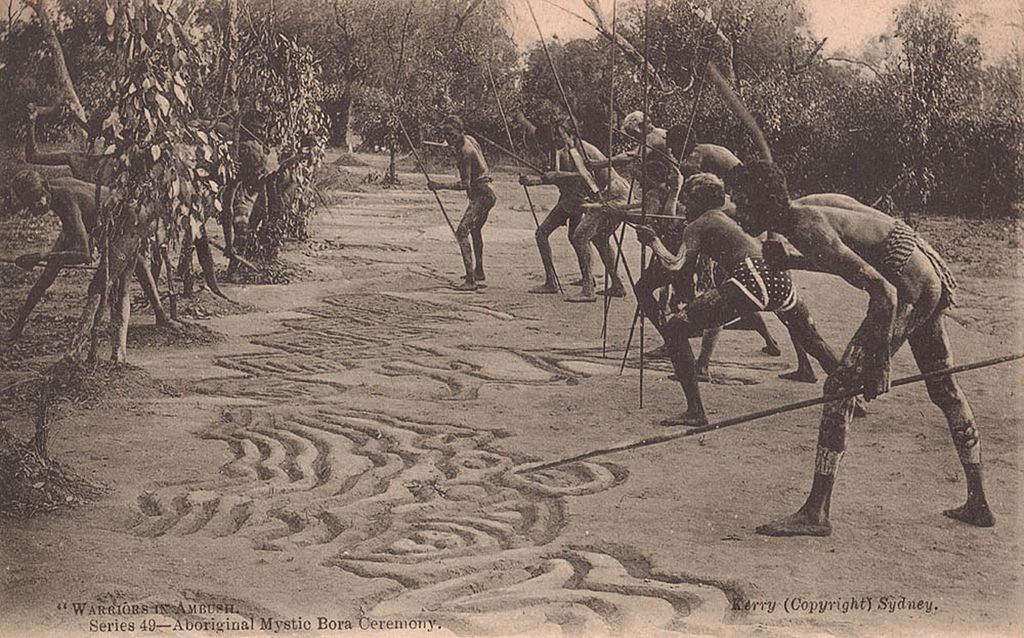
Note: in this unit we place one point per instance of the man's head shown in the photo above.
(452, 129)
(680, 141)
(633, 124)
(761, 196)
(702, 192)
(32, 192)
(552, 136)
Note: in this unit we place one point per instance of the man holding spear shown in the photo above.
(910, 287)
(593, 226)
(751, 286)
(475, 179)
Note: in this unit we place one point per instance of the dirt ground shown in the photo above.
(340, 459)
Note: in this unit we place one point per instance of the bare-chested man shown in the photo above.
(87, 166)
(716, 159)
(475, 180)
(751, 287)
(593, 225)
(909, 287)
(74, 203)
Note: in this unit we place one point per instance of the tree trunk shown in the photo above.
(60, 66)
(392, 176)
(229, 81)
(340, 112)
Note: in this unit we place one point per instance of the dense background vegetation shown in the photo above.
(922, 117)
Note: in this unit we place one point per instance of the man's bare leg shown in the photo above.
(753, 321)
(35, 294)
(685, 372)
(654, 277)
(707, 347)
(771, 346)
(553, 220)
(930, 346)
(603, 243)
(812, 519)
(462, 235)
(710, 310)
(145, 277)
(120, 311)
(478, 252)
(581, 240)
(804, 372)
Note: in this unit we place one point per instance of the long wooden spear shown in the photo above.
(423, 168)
(512, 144)
(4, 260)
(611, 128)
(708, 68)
(518, 158)
(580, 149)
(644, 189)
(753, 416)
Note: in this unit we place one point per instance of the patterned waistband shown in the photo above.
(900, 244)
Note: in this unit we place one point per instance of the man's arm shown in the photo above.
(32, 154)
(831, 255)
(620, 160)
(465, 170)
(671, 261)
(72, 228)
(778, 257)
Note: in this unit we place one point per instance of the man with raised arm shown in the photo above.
(475, 180)
(751, 287)
(593, 225)
(85, 165)
(74, 203)
(909, 287)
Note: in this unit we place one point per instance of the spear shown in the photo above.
(644, 193)
(611, 115)
(423, 168)
(568, 109)
(518, 158)
(76, 266)
(746, 418)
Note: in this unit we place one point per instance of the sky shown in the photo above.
(847, 24)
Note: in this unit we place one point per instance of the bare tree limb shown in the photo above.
(838, 58)
(461, 20)
(60, 66)
(602, 26)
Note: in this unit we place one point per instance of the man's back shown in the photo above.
(862, 228)
(718, 236)
(68, 190)
(709, 158)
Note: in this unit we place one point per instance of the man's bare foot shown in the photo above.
(545, 289)
(772, 350)
(582, 298)
(803, 375)
(799, 524)
(479, 276)
(688, 419)
(465, 286)
(977, 514)
(614, 291)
